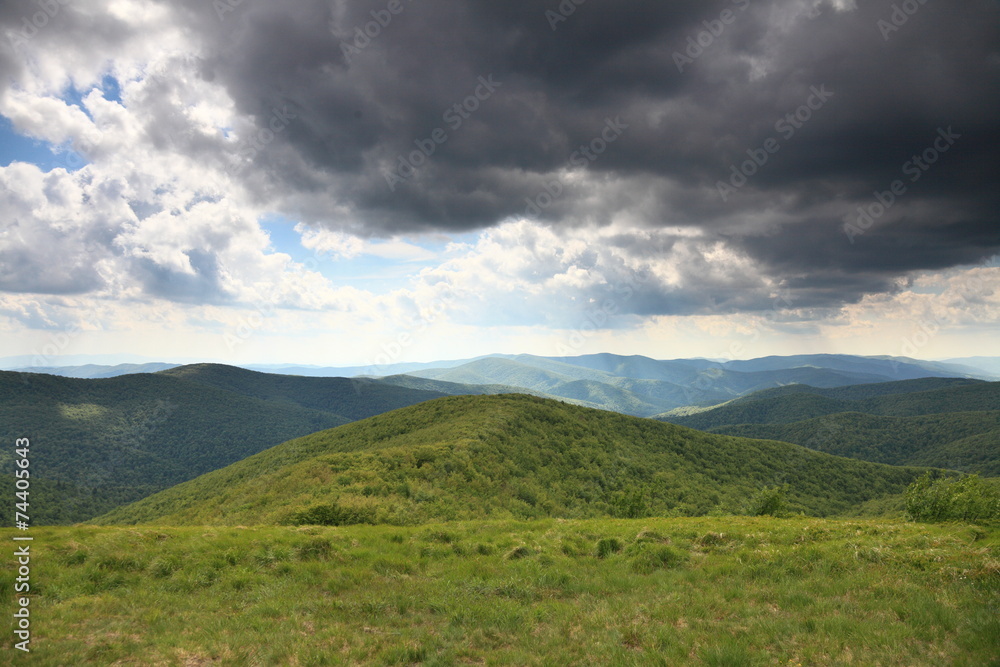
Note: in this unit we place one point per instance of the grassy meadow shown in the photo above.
(677, 591)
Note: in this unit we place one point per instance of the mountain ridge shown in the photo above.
(943, 422)
(507, 456)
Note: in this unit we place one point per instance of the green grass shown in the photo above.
(698, 591)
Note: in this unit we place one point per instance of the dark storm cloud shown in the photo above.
(359, 111)
(878, 97)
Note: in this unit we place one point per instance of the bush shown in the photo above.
(333, 515)
(769, 501)
(948, 499)
(629, 504)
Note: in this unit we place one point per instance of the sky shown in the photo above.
(367, 182)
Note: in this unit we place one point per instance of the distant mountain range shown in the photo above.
(633, 385)
(97, 371)
(645, 387)
(984, 364)
(940, 422)
(615, 364)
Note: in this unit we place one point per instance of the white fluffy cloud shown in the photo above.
(347, 246)
(522, 272)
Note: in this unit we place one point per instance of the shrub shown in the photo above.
(949, 499)
(442, 536)
(769, 501)
(333, 515)
(390, 568)
(713, 539)
(629, 504)
(164, 566)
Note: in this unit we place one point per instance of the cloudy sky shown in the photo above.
(363, 181)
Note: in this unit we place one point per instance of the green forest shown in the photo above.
(98, 444)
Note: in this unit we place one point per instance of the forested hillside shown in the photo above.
(97, 444)
(788, 404)
(939, 422)
(509, 457)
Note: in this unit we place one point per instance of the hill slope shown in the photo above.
(861, 392)
(354, 398)
(891, 368)
(507, 456)
(101, 443)
(937, 422)
(966, 441)
(898, 399)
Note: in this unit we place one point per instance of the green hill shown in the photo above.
(607, 396)
(354, 398)
(773, 410)
(966, 441)
(511, 456)
(978, 453)
(541, 376)
(100, 443)
(978, 396)
(454, 388)
(939, 422)
(858, 392)
(899, 399)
